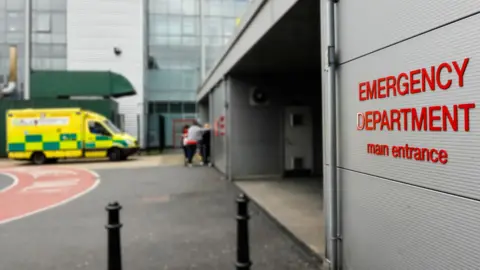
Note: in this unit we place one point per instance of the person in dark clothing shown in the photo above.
(205, 146)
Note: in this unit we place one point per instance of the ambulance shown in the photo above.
(46, 135)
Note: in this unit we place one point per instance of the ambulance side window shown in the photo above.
(98, 129)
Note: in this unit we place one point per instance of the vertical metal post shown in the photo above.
(243, 245)
(28, 49)
(334, 196)
(114, 243)
(203, 64)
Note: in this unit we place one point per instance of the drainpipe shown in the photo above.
(334, 196)
(28, 49)
(203, 52)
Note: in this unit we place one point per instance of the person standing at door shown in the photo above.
(194, 136)
(205, 145)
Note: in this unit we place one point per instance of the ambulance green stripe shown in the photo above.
(16, 147)
(51, 146)
(33, 138)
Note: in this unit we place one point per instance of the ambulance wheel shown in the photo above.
(38, 158)
(115, 154)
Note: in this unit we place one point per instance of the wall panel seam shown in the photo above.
(411, 37)
(410, 184)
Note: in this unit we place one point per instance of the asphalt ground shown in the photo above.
(5, 181)
(174, 218)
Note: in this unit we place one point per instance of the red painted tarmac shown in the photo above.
(36, 189)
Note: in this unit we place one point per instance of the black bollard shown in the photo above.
(243, 246)
(114, 244)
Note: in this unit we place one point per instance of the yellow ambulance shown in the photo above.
(46, 135)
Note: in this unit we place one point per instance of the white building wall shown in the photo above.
(94, 28)
(402, 213)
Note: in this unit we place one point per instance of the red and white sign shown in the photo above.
(427, 118)
(36, 189)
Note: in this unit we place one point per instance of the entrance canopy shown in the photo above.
(60, 84)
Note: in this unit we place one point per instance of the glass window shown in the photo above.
(111, 126)
(228, 8)
(228, 26)
(214, 8)
(41, 38)
(98, 129)
(59, 23)
(158, 40)
(158, 6)
(240, 7)
(161, 107)
(40, 4)
(174, 40)
(58, 5)
(189, 107)
(190, 25)
(3, 23)
(15, 5)
(175, 6)
(190, 7)
(151, 108)
(176, 107)
(213, 41)
(175, 25)
(189, 41)
(58, 51)
(15, 22)
(41, 50)
(15, 37)
(58, 38)
(40, 63)
(58, 64)
(213, 26)
(158, 24)
(41, 22)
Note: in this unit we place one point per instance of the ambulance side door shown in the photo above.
(97, 139)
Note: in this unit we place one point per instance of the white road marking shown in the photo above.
(52, 184)
(40, 173)
(97, 182)
(15, 181)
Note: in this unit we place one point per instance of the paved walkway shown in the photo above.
(174, 218)
(297, 203)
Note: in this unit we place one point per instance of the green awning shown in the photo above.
(57, 84)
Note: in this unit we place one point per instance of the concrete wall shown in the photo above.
(94, 28)
(257, 132)
(402, 213)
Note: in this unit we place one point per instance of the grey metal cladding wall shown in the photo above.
(451, 43)
(219, 154)
(367, 25)
(255, 140)
(392, 226)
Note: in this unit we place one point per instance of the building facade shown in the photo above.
(159, 43)
(176, 65)
(400, 134)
